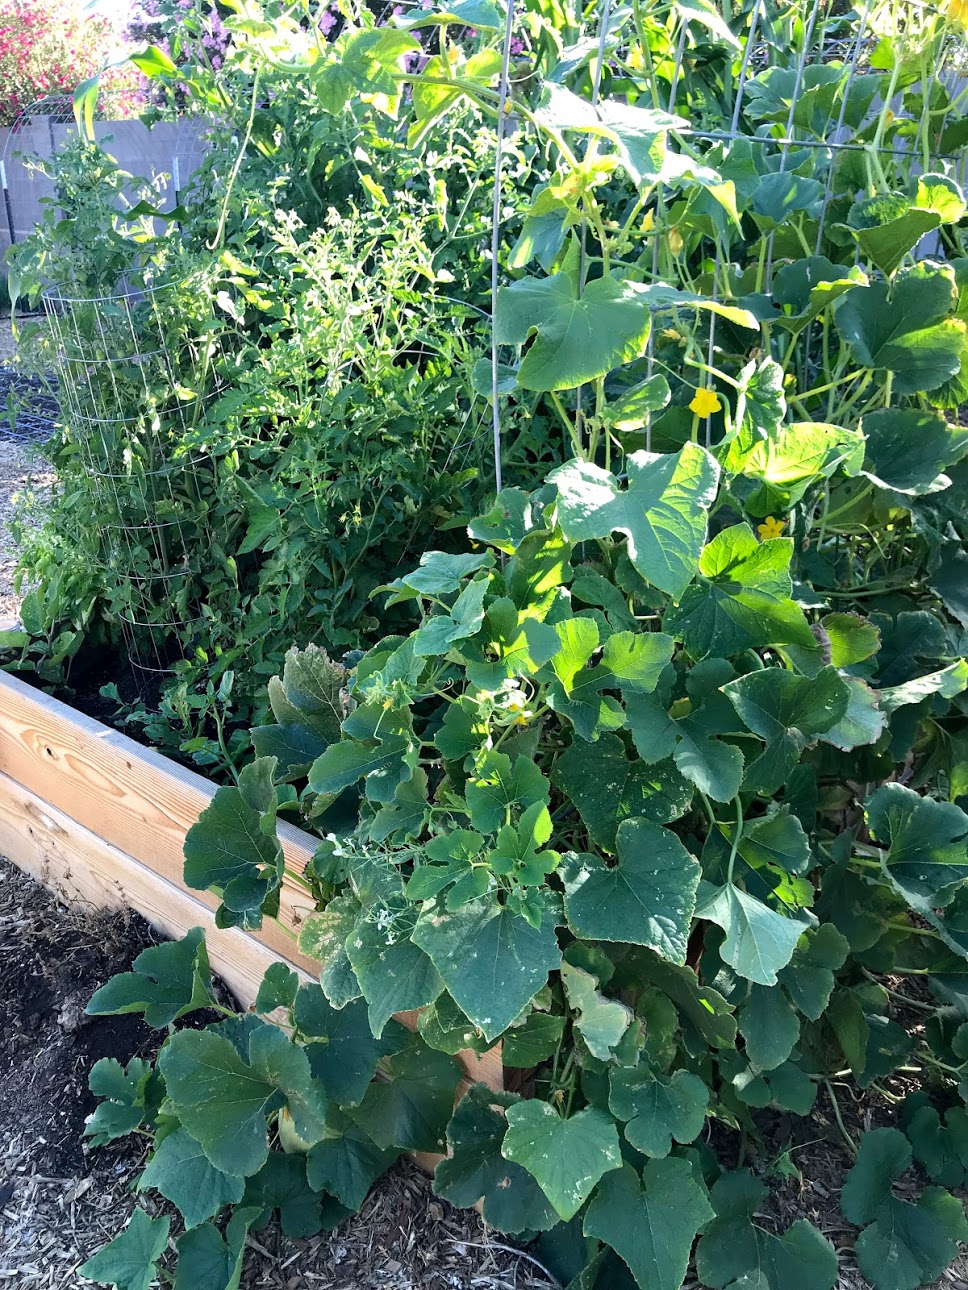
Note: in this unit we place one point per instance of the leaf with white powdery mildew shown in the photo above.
(566, 1157)
(492, 961)
(646, 898)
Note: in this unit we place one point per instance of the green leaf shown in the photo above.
(742, 600)
(411, 1109)
(385, 760)
(864, 721)
(903, 1245)
(125, 1090)
(311, 693)
(651, 1225)
(927, 845)
(759, 941)
(630, 661)
(601, 1022)
(578, 337)
(404, 817)
(277, 988)
(794, 456)
(733, 1251)
(809, 976)
(782, 195)
(521, 644)
(394, 973)
(347, 1162)
(658, 1110)
(128, 1262)
(608, 788)
(948, 683)
(852, 638)
(497, 787)
(475, 1170)
(770, 1027)
(342, 1051)
(566, 1157)
(207, 1261)
(906, 327)
(907, 450)
(442, 630)
(223, 1101)
(281, 1185)
(662, 512)
(183, 1174)
(166, 982)
(701, 1005)
(646, 897)
(790, 712)
(640, 134)
(227, 849)
(786, 1087)
(712, 765)
(942, 1148)
(463, 13)
(444, 1026)
(153, 61)
(532, 1042)
(323, 937)
(887, 226)
(809, 286)
(492, 961)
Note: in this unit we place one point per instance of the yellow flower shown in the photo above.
(675, 241)
(648, 223)
(705, 402)
(770, 528)
(670, 333)
(957, 11)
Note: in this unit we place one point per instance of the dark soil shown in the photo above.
(51, 962)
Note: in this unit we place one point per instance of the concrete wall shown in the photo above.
(169, 148)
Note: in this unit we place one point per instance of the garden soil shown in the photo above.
(60, 1202)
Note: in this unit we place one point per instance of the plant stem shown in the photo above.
(848, 1140)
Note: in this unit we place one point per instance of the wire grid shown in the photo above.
(134, 390)
(830, 35)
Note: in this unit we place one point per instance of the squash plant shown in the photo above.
(639, 798)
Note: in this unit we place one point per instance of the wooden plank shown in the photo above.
(82, 868)
(136, 806)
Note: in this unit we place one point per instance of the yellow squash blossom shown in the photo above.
(957, 11)
(705, 402)
(770, 528)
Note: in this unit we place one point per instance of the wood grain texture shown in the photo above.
(85, 807)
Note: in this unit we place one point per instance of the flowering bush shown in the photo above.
(48, 48)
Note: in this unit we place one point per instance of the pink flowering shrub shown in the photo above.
(48, 47)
